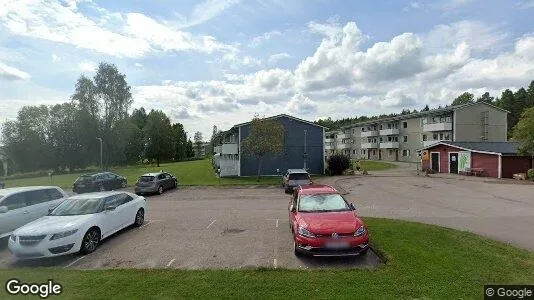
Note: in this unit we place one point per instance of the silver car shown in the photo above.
(295, 177)
(151, 183)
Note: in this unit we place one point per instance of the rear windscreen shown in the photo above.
(146, 178)
(298, 176)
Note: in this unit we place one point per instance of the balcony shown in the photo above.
(328, 140)
(328, 147)
(229, 149)
(391, 131)
(342, 136)
(369, 133)
(444, 126)
(229, 166)
(389, 145)
(217, 149)
(369, 145)
(343, 146)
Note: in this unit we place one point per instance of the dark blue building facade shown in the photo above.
(303, 146)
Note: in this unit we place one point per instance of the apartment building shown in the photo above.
(399, 138)
(303, 148)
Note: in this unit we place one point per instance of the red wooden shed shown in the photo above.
(496, 159)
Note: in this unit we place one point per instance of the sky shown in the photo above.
(220, 62)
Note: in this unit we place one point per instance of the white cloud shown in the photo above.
(302, 105)
(55, 58)
(135, 34)
(454, 4)
(277, 57)
(208, 10)
(87, 67)
(526, 4)
(413, 6)
(11, 73)
(139, 65)
(260, 39)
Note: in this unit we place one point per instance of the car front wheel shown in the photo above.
(160, 190)
(139, 218)
(297, 252)
(90, 241)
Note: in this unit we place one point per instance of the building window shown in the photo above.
(424, 137)
(380, 127)
(363, 129)
(390, 152)
(404, 124)
(435, 136)
(374, 152)
(405, 152)
(405, 139)
(447, 136)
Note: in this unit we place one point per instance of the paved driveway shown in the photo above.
(500, 211)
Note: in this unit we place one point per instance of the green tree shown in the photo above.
(485, 98)
(464, 98)
(426, 108)
(524, 131)
(179, 142)
(115, 98)
(507, 102)
(139, 117)
(189, 150)
(530, 101)
(157, 133)
(266, 137)
(198, 143)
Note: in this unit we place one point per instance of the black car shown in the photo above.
(155, 183)
(99, 182)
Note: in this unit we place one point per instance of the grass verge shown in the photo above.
(424, 261)
(197, 172)
(371, 165)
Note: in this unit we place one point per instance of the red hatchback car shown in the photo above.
(324, 224)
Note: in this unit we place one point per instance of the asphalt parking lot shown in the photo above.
(199, 228)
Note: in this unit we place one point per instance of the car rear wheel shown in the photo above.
(90, 241)
(139, 218)
(160, 190)
(123, 184)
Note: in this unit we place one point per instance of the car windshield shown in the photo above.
(322, 203)
(299, 176)
(146, 178)
(73, 207)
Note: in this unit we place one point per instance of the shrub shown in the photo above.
(530, 174)
(338, 163)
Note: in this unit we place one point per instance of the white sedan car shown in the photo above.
(78, 224)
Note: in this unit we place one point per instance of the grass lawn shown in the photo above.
(371, 165)
(424, 261)
(197, 172)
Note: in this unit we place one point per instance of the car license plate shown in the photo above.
(337, 245)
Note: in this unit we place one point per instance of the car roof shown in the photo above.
(296, 171)
(97, 195)
(311, 189)
(152, 174)
(9, 191)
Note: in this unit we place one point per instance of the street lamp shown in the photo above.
(100, 139)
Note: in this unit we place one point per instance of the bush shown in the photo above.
(530, 174)
(338, 163)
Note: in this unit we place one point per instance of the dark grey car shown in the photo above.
(155, 183)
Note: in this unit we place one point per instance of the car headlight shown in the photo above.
(63, 234)
(305, 232)
(361, 231)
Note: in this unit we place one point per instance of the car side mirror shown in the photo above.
(50, 210)
(3, 209)
(110, 208)
(292, 208)
(352, 206)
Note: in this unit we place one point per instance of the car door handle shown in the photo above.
(27, 212)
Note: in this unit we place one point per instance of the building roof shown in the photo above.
(499, 148)
(422, 113)
(281, 116)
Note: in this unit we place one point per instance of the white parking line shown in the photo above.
(211, 224)
(170, 263)
(275, 263)
(75, 261)
(276, 223)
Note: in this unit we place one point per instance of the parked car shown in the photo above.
(294, 178)
(78, 225)
(155, 183)
(99, 182)
(324, 224)
(21, 205)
